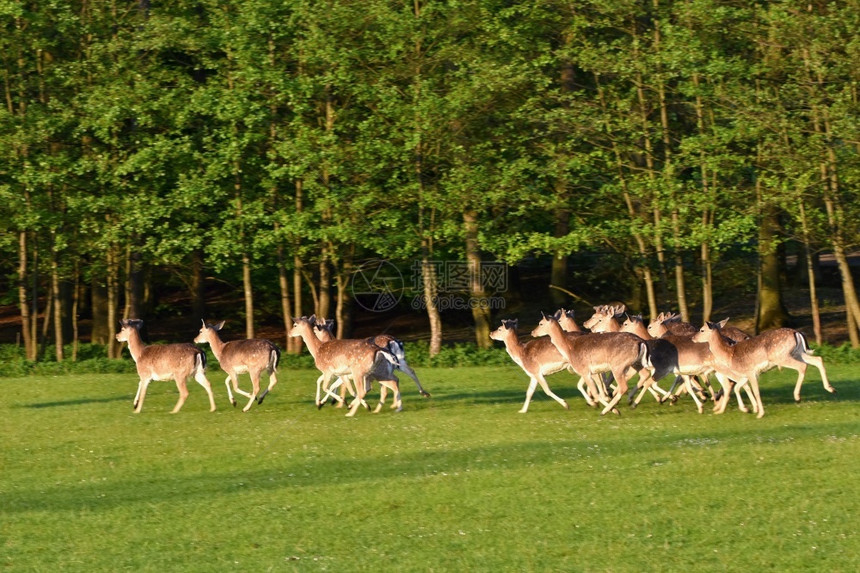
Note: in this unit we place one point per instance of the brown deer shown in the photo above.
(253, 356)
(743, 361)
(354, 358)
(176, 362)
(679, 355)
(620, 353)
(608, 318)
(538, 358)
(323, 329)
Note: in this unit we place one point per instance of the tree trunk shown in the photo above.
(558, 273)
(478, 296)
(428, 275)
(133, 284)
(810, 271)
(112, 301)
(771, 309)
(56, 294)
(249, 295)
(286, 303)
(198, 285)
(26, 328)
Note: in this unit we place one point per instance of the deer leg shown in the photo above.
(383, 392)
(273, 379)
(137, 395)
(689, 385)
(818, 363)
(753, 381)
(141, 394)
(200, 376)
(529, 393)
(234, 379)
(361, 390)
(739, 397)
(405, 368)
(545, 387)
(255, 389)
(622, 389)
(230, 392)
(183, 395)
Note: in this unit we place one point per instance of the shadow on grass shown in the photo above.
(164, 486)
(76, 402)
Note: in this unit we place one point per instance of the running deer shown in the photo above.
(693, 360)
(670, 323)
(176, 362)
(538, 358)
(253, 356)
(743, 361)
(354, 358)
(607, 318)
(588, 354)
(383, 371)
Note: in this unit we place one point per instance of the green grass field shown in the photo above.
(456, 482)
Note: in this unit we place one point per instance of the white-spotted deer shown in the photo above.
(252, 356)
(354, 358)
(620, 353)
(176, 362)
(384, 370)
(743, 361)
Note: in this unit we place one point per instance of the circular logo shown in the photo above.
(377, 286)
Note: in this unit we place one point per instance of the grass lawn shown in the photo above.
(456, 482)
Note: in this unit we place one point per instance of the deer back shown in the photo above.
(168, 361)
(251, 355)
(615, 351)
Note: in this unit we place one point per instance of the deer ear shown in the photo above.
(557, 314)
(723, 322)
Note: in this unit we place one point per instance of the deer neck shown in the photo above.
(311, 341)
(217, 345)
(135, 344)
(514, 347)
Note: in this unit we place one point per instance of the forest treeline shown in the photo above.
(304, 137)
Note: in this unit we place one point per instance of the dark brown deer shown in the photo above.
(176, 362)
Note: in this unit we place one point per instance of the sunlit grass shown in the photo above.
(459, 481)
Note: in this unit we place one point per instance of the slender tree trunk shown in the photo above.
(558, 272)
(286, 303)
(248, 289)
(429, 279)
(76, 297)
(480, 311)
(56, 294)
(24, 304)
(112, 301)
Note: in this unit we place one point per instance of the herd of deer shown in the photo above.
(618, 346)
(350, 361)
(615, 347)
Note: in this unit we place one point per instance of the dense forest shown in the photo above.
(278, 146)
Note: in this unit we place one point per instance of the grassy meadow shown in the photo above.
(456, 482)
